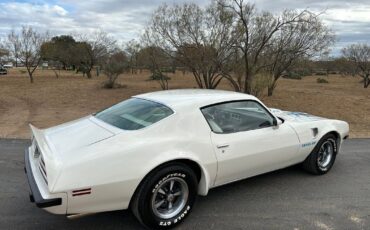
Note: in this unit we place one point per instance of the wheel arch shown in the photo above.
(337, 137)
(201, 173)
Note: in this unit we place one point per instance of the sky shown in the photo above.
(125, 19)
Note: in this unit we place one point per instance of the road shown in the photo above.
(285, 199)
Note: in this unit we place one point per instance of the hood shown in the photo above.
(295, 116)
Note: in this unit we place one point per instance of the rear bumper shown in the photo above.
(51, 202)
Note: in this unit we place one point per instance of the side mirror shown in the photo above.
(280, 122)
(277, 122)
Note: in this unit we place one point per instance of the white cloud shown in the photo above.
(59, 10)
(125, 19)
(359, 14)
(42, 17)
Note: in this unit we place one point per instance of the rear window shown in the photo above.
(134, 114)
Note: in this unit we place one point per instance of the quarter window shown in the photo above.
(237, 116)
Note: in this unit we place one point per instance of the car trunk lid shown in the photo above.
(54, 142)
(64, 137)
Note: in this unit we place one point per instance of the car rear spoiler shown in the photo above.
(39, 136)
(48, 152)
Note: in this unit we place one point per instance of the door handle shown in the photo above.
(222, 146)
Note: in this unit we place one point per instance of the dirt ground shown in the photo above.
(51, 101)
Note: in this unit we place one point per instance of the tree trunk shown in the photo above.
(56, 73)
(247, 75)
(206, 80)
(248, 84)
(366, 81)
(198, 79)
(88, 74)
(271, 88)
(29, 73)
(97, 71)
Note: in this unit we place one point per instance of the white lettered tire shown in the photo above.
(166, 196)
(322, 157)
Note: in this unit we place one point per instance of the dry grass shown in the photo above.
(50, 101)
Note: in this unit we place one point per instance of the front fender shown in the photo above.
(308, 137)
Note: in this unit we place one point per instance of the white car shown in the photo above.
(155, 152)
(8, 65)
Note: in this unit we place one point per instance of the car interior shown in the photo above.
(226, 118)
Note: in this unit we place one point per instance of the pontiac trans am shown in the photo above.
(155, 152)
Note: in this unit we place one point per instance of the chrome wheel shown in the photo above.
(325, 155)
(170, 198)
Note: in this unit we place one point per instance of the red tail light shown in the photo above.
(81, 192)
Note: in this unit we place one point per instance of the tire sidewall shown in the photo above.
(179, 171)
(332, 139)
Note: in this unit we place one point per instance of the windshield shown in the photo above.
(134, 114)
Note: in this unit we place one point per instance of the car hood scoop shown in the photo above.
(75, 134)
(295, 116)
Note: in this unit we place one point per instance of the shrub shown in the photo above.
(115, 65)
(157, 76)
(321, 80)
(108, 85)
(260, 83)
(22, 71)
(112, 85)
(304, 72)
(293, 75)
(320, 73)
(168, 70)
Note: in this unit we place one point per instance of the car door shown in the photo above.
(248, 141)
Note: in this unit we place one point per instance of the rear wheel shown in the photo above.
(166, 196)
(322, 157)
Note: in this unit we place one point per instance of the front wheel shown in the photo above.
(166, 196)
(322, 156)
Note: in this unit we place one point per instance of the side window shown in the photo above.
(237, 116)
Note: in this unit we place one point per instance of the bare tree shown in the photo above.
(199, 39)
(158, 62)
(344, 66)
(132, 49)
(94, 49)
(115, 65)
(302, 38)
(27, 48)
(259, 32)
(13, 45)
(360, 55)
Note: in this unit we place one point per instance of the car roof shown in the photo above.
(197, 98)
